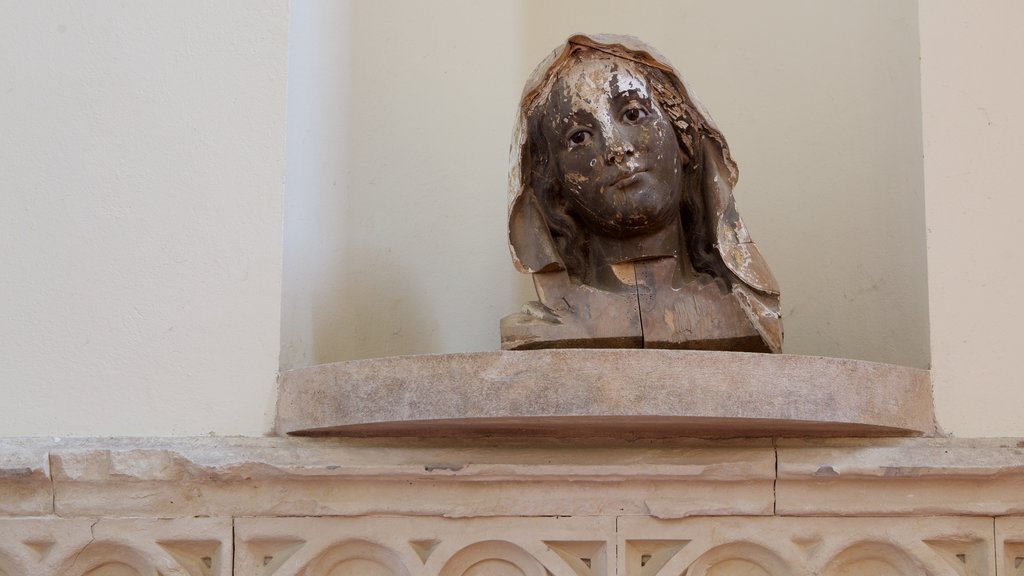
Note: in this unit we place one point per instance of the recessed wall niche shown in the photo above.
(398, 139)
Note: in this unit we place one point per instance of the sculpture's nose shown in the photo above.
(619, 147)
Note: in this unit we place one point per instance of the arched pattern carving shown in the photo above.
(108, 558)
(740, 559)
(356, 558)
(492, 558)
(113, 569)
(513, 546)
(873, 558)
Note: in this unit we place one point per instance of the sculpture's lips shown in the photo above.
(628, 179)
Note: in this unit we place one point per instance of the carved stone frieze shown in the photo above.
(578, 546)
(779, 546)
(513, 546)
(115, 547)
(628, 545)
(1010, 546)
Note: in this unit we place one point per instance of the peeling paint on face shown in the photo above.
(590, 81)
(576, 178)
(616, 152)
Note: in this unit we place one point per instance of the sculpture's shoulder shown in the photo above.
(702, 313)
(573, 315)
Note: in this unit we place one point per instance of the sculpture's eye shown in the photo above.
(635, 113)
(579, 137)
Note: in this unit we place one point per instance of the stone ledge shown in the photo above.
(890, 477)
(606, 393)
(25, 486)
(173, 477)
(183, 477)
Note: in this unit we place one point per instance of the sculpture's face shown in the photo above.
(614, 150)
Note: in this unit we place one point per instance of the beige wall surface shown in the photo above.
(972, 91)
(141, 174)
(399, 124)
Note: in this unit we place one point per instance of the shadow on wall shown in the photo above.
(425, 267)
(397, 186)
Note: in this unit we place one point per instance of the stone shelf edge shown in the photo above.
(186, 477)
(615, 393)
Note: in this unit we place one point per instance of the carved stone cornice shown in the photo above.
(919, 476)
(209, 476)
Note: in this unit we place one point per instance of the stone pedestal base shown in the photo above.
(606, 393)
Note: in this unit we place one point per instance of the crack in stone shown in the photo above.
(775, 478)
(53, 485)
(995, 543)
(92, 538)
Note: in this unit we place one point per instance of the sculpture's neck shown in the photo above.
(607, 254)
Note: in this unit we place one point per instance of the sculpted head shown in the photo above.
(618, 171)
(614, 151)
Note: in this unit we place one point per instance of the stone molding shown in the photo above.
(885, 476)
(335, 477)
(184, 477)
(619, 393)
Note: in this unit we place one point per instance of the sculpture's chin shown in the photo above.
(625, 231)
(639, 223)
(633, 212)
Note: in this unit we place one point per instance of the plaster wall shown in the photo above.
(399, 124)
(141, 175)
(398, 130)
(971, 106)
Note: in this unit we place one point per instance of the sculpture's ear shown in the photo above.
(734, 244)
(529, 239)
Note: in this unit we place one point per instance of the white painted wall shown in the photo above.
(399, 125)
(972, 94)
(141, 175)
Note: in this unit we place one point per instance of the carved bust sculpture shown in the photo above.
(622, 210)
